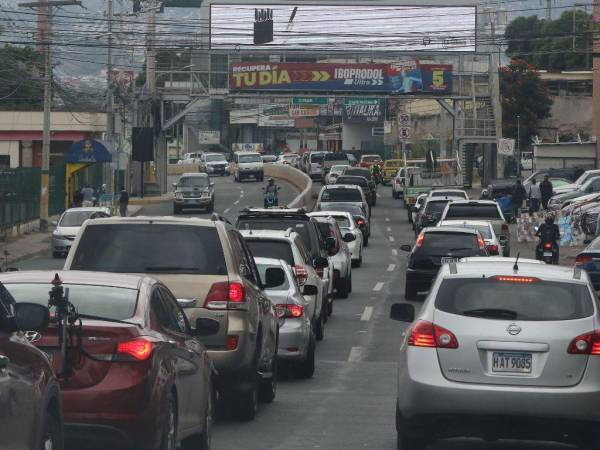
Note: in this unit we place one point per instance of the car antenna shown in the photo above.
(516, 266)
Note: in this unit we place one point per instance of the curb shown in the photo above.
(149, 200)
(25, 256)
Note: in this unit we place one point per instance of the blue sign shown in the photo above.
(88, 151)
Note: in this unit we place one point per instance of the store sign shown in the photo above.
(209, 137)
(276, 116)
(245, 147)
(310, 100)
(400, 78)
(304, 110)
(361, 110)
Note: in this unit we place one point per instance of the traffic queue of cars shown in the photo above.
(172, 318)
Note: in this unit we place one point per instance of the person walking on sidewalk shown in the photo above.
(518, 195)
(123, 202)
(547, 190)
(535, 197)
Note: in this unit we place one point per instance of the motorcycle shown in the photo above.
(547, 252)
(271, 198)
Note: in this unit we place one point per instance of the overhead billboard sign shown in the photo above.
(361, 110)
(341, 77)
(275, 116)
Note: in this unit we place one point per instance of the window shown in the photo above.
(436, 208)
(262, 270)
(342, 221)
(443, 243)
(176, 315)
(483, 211)
(75, 218)
(197, 182)
(243, 159)
(264, 248)
(341, 195)
(162, 313)
(541, 300)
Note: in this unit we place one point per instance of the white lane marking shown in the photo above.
(391, 267)
(391, 238)
(388, 229)
(355, 354)
(378, 286)
(394, 252)
(227, 210)
(367, 313)
(236, 202)
(387, 219)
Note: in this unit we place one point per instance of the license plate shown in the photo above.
(509, 362)
(547, 254)
(447, 260)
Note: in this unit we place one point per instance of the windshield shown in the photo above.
(539, 300)
(76, 218)
(103, 301)
(359, 173)
(359, 181)
(193, 182)
(480, 211)
(336, 157)
(317, 157)
(355, 210)
(484, 230)
(454, 244)
(214, 158)
(435, 208)
(337, 169)
(268, 248)
(150, 248)
(341, 195)
(449, 194)
(249, 159)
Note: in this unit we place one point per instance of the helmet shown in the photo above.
(550, 219)
(485, 193)
(271, 180)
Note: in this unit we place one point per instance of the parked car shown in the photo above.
(486, 210)
(435, 247)
(347, 224)
(390, 169)
(492, 242)
(214, 164)
(340, 193)
(334, 173)
(297, 339)
(592, 185)
(361, 218)
(398, 182)
(585, 176)
(31, 411)
(339, 253)
(68, 225)
(134, 340)
(209, 268)
(364, 185)
(247, 165)
(193, 191)
(519, 335)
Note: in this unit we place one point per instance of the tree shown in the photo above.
(523, 94)
(21, 84)
(549, 44)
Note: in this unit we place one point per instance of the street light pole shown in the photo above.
(519, 145)
(110, 115)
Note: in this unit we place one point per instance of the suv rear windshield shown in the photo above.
(317, 157)
(336, 157)
(281, 224)
(435, 207)
(448, 194)
(358, 172)
(540, 301)
(263, 248)
(358, 181)
(150, 248)
(456, 244)
(341, 195)
(243, 159)
(481, 211)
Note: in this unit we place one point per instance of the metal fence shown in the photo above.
(19, 196)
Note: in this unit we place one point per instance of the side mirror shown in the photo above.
(54, 223)
(274, 276)
(212, 184)
(31, 317)
(174, 185)
(309, 289)
(406, 248)
(206, 327)
(402, 312)
(321, 263)
(349, 237)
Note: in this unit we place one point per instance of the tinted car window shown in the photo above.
(448, 194)
(262, 270)
(541, 300)
(358, 172)
(359, 181)
(352, 209)
(455, 243)
(299, 226)
(341, 157)
(341, 195)
(484, 230)
(435, 207)
(150, 248)
(193, 182)
(104, 301)
(468, 211)
(264, 248)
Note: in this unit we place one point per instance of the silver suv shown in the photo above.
(501, 350)
(209, 268)
(193, 191)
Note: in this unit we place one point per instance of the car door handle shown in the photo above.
(4, 360)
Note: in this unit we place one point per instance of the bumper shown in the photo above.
(198, 202)
(251, 173)
(217, 170)
(421, 279)
(294, 339)
(61, 245)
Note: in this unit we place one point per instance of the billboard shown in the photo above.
(400, 78)
(346, 28)
(362, 110)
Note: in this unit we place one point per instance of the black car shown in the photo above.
(31, 411)
(434, 247)
(361, 218)
(359, 181)
(431, 213)
(366, 173)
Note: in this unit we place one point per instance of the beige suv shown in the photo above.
(208, 266)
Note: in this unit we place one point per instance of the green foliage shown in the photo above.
(548, 44)
(523, 94)
(21, 84)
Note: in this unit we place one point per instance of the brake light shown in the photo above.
(360, 222)
(515, 279)
(492, 249)
(582, 260)
(140, 349)
(548, 246)
(420, 239)
(586, 344)
(223, 293)
(480, 242)
(232, 342)
(427, 334)
(289, 311)
(301, 274)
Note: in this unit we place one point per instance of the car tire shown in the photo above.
(306, 368)
(267, 388)
(245, 405)
(410, 291)
(57, 255)
(202, 440)
(320, 327)
(343, 288)
(52, 432)
(168, 439)
(366, 241)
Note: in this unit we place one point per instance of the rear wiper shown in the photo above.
(492, 312)
(107, 319)
(460, 248)
(171, 269)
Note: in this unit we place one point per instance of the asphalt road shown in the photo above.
(349, 403)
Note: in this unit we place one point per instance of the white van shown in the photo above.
(247, 165)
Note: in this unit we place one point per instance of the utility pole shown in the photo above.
(110, 115)
(151, 52)
(596, 84)
(44, 8)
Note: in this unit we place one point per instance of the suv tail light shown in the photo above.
(492, 249)
(420, 239)
(480, 242)
(427, 334)
(301, 274)
(289, 311)
(223, 293)
(515, 279)
(548, 246)
(582, 260)
(139, 349)
(360, 222)
(586, 344)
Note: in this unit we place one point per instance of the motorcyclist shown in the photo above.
(485, 195)
(548, 232)
(272, 189)
(376, 172)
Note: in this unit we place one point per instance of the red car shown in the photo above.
(135, 375)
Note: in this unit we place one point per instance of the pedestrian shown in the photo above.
(547, 190)
(518, 195)
(88, 195)
(535, 196)
(123, 202)
(78, 198)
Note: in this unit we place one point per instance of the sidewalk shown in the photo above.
(16, 249)
(137, 201)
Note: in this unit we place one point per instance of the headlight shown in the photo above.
(179, 195)
(210, 169)
(206, 194)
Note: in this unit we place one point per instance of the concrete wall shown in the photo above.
(296, 178)
(570, 115)
(353, 134)
(59, 121)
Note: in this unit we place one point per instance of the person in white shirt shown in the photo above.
(535, 196)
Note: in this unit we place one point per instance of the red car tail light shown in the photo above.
(492, 249)
(289, 311)
(548, 246)
(301, 274)
(582, 260)
(360, 222)
(223, 293)
(420, 239)
(586, 344)
(232, 342)
(480, 242)
(515, 279)
(427, 334)
(140, 349)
